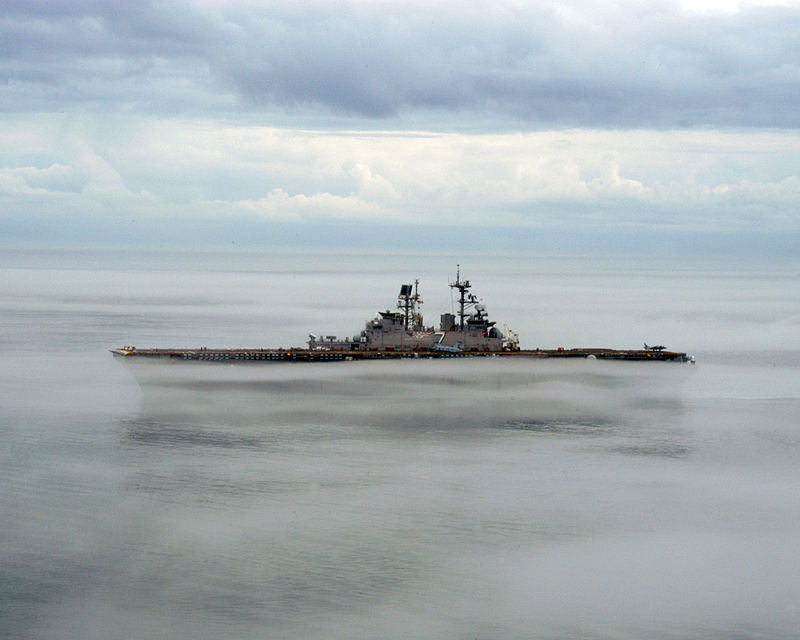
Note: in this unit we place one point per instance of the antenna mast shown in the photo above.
(465, 299)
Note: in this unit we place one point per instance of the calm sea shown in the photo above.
(416, 499)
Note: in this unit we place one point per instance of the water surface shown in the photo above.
(430, 499)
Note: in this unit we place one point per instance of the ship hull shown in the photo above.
(316, 355)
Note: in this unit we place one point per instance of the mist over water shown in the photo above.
(480, 498)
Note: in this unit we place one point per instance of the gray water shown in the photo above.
(414, 499)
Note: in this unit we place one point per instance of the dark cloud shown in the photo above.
(629, 65)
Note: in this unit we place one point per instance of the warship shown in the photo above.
(401, 333)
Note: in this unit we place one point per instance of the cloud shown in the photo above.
(476, 63)
(57, 178)
(280, 206)
(373, 187)
(198, 173)
(373, 200)
(572, 117)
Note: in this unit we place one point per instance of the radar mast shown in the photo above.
(407, 302)
(465, 299)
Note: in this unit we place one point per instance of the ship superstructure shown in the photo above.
(467, 329)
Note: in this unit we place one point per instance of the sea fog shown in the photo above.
(433, 499)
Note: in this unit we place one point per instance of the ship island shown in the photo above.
(401, 333)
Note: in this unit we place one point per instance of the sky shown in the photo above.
(497, 126)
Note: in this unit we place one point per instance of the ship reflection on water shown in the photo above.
(386, 486)
(425, 394)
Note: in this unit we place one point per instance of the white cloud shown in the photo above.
(373, 187)
(101, 178)
(283, 207)
(192, 172)
(730, 6)
(57, 178)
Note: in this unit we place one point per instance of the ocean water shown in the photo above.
(416, 499)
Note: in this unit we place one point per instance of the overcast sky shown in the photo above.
(382, 122)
